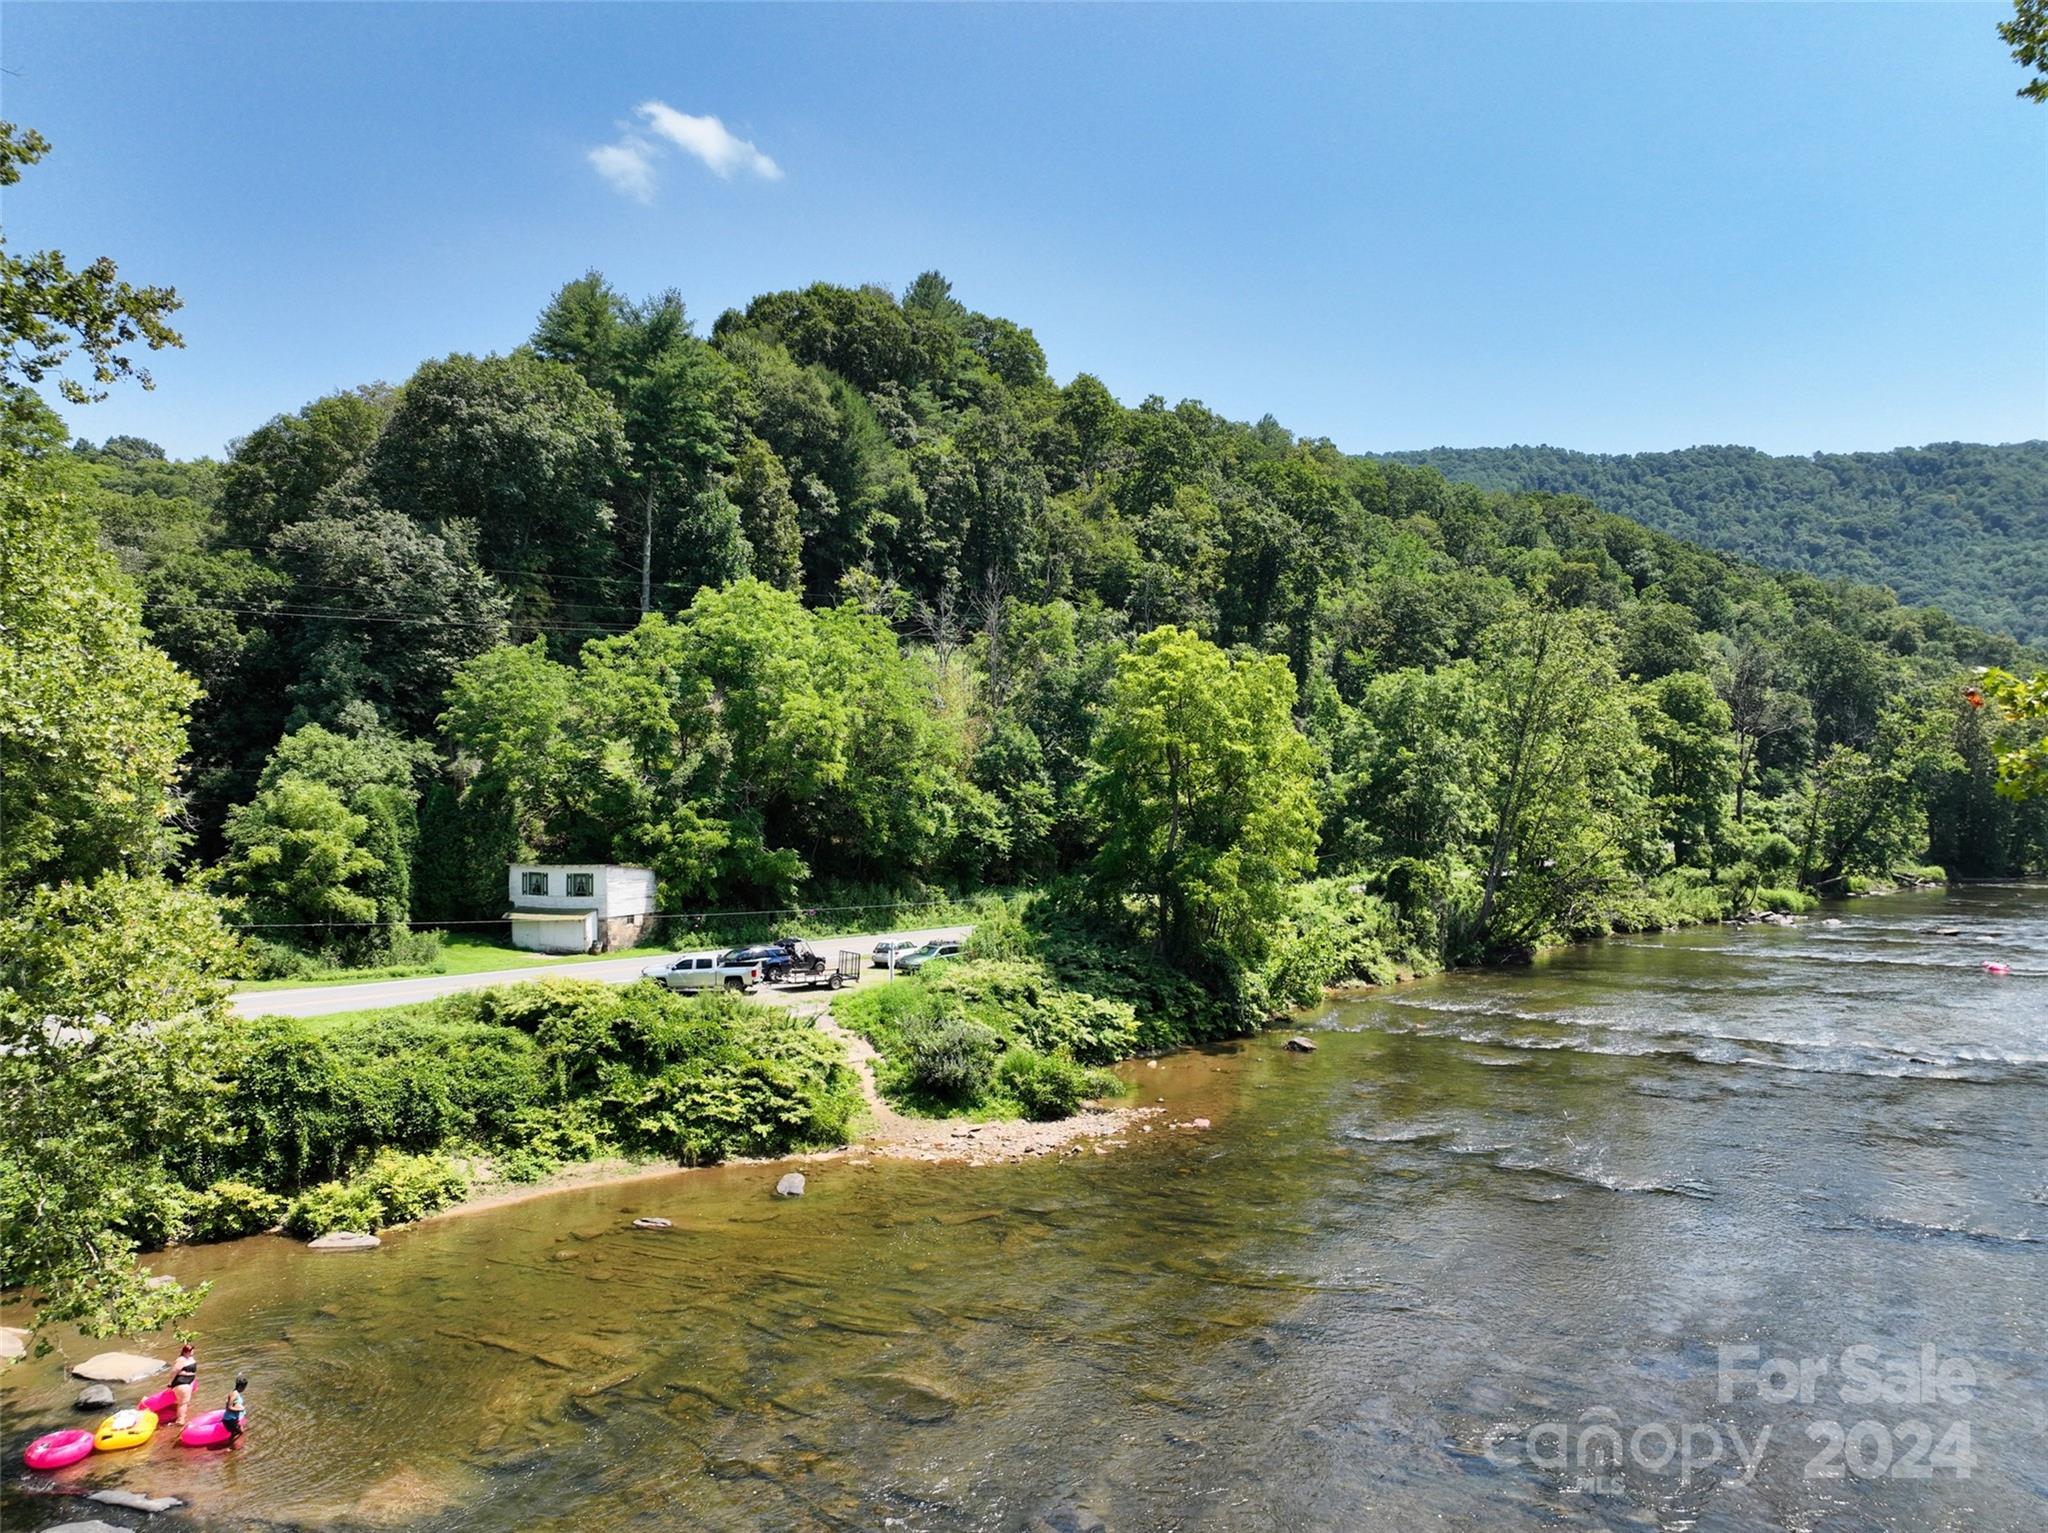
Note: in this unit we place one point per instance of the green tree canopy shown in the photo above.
(1203, 789)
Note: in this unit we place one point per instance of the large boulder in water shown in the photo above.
(13, 1342)
(1300, 1045)
(92, 1526)
(791, 1186)
(118, 1367)
(95, 1397)
(344, 1240)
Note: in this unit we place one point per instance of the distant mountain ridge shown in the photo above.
(1959, 525)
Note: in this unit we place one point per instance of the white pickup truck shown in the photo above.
(704, 971)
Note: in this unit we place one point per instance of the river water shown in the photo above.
(1526, 1250)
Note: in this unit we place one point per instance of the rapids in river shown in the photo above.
(1724, 1230)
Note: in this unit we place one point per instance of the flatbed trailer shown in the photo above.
(846, 971)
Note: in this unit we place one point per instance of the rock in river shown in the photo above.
(95, 1397)
(791, 1186)
(118, 1367)
(344, 1240)
(651, 1224)
(13, 1342)
(94, 1526)
(1300, 1045)
(134, 1501)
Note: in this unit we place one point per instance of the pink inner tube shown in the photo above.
(1997, 968)
(57, 1449)
(164, 1402)
(207, 1431)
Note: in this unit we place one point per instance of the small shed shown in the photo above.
(579, 907)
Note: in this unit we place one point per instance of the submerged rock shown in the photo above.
(13, 1342)
(134, 1501)
(791, 1186)
(94, 1525)
(649, 1224)
(118, 1367)
(1300, 1045)
(344, 1240)
(95, 1397)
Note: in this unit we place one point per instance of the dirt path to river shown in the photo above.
(886, 1135)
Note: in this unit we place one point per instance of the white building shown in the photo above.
(581, 907)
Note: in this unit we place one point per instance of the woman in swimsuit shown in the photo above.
(181, 1380)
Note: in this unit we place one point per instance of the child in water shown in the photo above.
(181, 1380)
(231, 1418)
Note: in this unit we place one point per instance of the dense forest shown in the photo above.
(840, 598)
(1956, 525)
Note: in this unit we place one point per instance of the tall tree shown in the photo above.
(92, 715)
(519, 456)
(1203, 792)
(48, 309)
(1566, 800)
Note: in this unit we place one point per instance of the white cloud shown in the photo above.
(629, 164)
(710, 141)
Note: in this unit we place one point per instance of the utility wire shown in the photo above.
(669, 915)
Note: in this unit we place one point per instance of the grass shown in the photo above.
(461, 954)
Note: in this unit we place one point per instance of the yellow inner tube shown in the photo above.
(125, 1429)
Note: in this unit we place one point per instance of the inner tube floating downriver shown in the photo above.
(125, 1429)
(1998, 968)
(57, 1449)
(164, 1402)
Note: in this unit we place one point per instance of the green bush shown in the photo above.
(393, 1189)
(264, 959)
(1047, 1087)
(409, 1187)
(230, 1209)
(157, 1211)
(1788, 902)
(949, 1059)
(333, 1206)
(420, 950)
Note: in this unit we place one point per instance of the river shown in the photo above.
(1648, 1185)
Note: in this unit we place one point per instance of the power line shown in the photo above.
(667, 915)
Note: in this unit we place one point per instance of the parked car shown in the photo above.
(900, 946)
(924, 953)
(707, 971)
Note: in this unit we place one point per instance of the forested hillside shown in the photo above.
(836, 598)
(1956, 525)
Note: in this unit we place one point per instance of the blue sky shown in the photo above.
(1605, 227)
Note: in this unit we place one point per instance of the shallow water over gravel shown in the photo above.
(1488, 1208)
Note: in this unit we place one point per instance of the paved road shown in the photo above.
(322, 999)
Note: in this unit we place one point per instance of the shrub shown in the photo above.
(157, 1210)
(333, 1206)
(230, 1209)
(1047, 1087)
(393, 1189)
(408, 949)
(264, 959)
(949, 1059)
(1784, 901)
(409, 1187)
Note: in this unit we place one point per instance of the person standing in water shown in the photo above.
(231, 1417)
(182, 1378)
